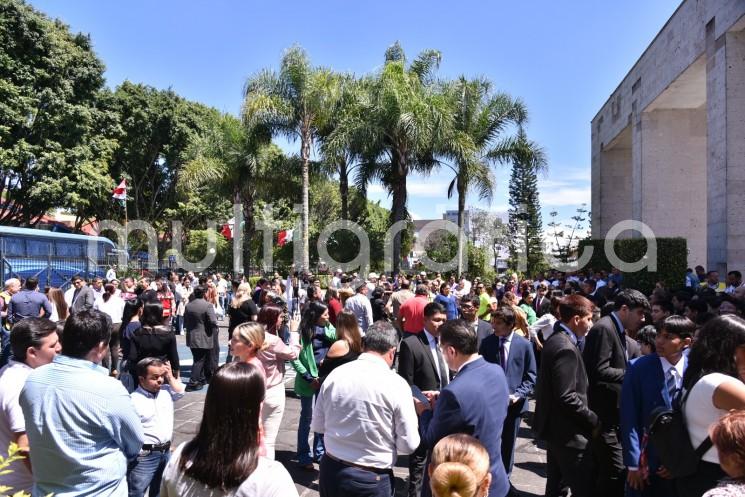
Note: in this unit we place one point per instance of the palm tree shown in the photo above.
(339, 157)
(293, 103)
(239, 162)
(474, 142)
(399, 125)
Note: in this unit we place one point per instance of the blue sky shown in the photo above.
(562, 58)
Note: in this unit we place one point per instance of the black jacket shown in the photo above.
(605, 362)
(416, 364)
(562, 414)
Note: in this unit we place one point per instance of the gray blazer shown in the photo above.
(200, 323)
(83, 300)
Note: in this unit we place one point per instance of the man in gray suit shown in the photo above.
(200, 323)
(83, 298)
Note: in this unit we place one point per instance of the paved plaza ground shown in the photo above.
(528, 475)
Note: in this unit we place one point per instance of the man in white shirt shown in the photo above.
(153, 403)
(336, 280)
(360, 306)
(360, 455)
(34, 342)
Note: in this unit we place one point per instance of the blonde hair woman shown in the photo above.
(521, 322)
(459, 467)
(246, 343)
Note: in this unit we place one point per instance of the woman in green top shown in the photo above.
(316, 336)
(526, 304)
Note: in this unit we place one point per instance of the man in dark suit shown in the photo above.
(201, 327)
(541, 303)
(652, 381)
(469, 307)
(421, 364)
(515, 356)
(83, 298)
(606, 356)
(562, 416)
(475, 403)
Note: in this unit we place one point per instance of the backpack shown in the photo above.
(668, 432)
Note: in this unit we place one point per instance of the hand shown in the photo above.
(315, 384)
(514, 398)
(420, 406)
(636, 480)
(167, 372)
(664, 473)
(432, 396)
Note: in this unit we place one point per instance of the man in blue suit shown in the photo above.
(475, 403)
(652, 381)
(515, 355)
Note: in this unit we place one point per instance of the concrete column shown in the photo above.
(614, 192)
(674, 176)
(725, 79)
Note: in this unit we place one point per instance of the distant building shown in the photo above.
(452, 216)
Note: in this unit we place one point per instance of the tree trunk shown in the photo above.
(461, 211)
(344, 189)
(305, 237)
(249, 230)
(398, 213)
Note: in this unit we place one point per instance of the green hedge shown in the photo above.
(672, 261)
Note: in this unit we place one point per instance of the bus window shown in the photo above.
(38, 247)
(69, 249)
(13, 245)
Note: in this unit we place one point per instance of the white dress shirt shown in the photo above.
(544, 323)
(156, 413)
(433, 350)
(366, 413)
(680, 368)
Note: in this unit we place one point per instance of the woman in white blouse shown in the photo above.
(223, 458)
(713, 388)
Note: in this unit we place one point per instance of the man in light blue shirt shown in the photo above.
(81, 424)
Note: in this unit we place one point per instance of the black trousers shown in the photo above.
(417, 462)
(706, 478)
(200, 370)
(608, 455)
(509, 434)
(568, 467)
(214, 354)
(339, 480)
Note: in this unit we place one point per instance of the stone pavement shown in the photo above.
(528, 475)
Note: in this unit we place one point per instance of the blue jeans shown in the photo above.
(146, 471)
(304, 455)
(4, 346)
(339, 480)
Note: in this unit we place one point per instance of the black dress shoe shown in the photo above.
(193, 387)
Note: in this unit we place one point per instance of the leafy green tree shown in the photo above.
(294, 103)
(525, 225)
(158, 128)
(476, 140)
(400, 124)
(237, 162)
(55, 141)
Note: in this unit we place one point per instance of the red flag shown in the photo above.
(120, 192)
(226, 231)
(284, 237)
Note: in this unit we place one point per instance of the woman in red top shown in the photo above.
(167, 300)
(333, 303)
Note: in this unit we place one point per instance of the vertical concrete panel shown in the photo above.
(674, 176)
(615, 187)
(735, 149)
(716, 178)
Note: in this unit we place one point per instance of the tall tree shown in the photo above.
(55, 141)
(158, 127)
(294, 103)
(401, 123)
(476, 141)
(240, 162)
(525, 224)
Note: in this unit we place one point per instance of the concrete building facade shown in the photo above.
(668, 147)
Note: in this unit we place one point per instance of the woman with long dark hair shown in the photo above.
(273, 357)
(346, 348)
(316, 336)
(152, 339)
(223, 458)
(711, 389)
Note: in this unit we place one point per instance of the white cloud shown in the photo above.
(422, 188)
(563, 196)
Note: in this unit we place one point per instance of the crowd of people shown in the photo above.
(634, 394)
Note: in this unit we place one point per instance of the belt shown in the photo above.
(157, 447)
(379, 471)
